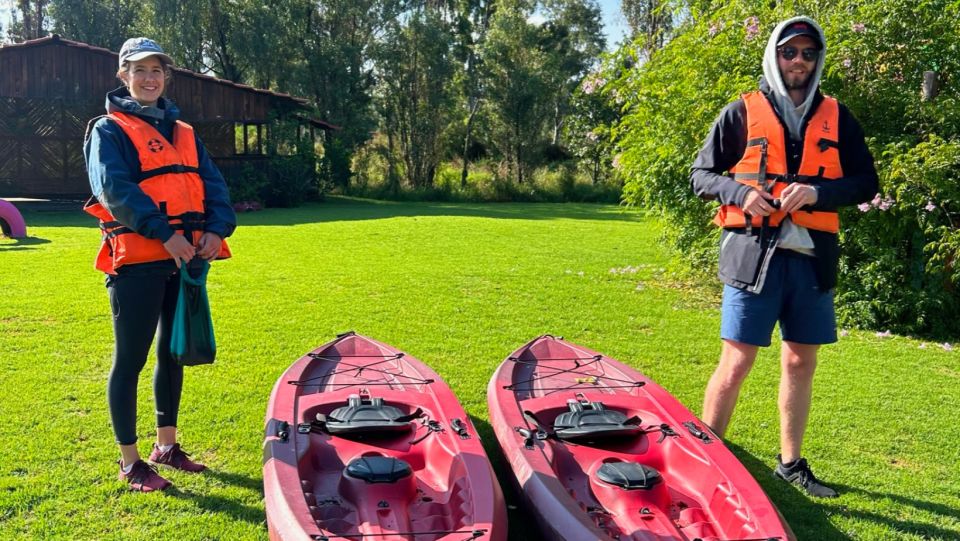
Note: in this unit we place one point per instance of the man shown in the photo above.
(793, 156)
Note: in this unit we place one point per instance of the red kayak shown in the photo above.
(599, 451)
(366, 442)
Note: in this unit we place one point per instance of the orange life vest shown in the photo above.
(764, 162)
(169, 176)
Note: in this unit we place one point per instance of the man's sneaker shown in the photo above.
(799, 474)
(143, 477)
(175, 458)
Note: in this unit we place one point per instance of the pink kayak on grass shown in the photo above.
(599, 451)
(366, 442)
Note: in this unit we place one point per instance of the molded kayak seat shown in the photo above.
(379, 469)
(629, 475)
(591, 421)
(367, 417)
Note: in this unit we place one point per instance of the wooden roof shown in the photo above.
(55, 68)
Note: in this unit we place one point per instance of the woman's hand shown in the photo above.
(209, 246)
(179, 248)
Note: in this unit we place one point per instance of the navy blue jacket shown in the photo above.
(113, 167)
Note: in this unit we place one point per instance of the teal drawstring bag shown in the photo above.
(191, 340)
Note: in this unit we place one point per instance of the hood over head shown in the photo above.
(792, 114)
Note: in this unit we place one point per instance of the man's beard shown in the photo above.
(795, 83)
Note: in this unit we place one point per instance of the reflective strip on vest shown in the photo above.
(169, 177)
(766, 150)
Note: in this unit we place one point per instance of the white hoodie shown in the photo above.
(792, 114)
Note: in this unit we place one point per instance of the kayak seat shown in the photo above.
(592, 421)
(379, 469)
(367, 417)
(629, 475)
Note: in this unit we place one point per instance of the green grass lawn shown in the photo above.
(458, 286)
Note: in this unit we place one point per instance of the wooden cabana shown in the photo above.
(51, 87)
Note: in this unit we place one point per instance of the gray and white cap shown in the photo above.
(139, 48)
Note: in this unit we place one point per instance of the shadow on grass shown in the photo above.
(522, 526)
(26, 243)
(344, 209)
(336, 209)
(219, 504)
(806, 517)
(237, 480)
(920, 529)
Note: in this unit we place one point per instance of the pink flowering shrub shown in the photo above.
(752, 25)
(900, 249)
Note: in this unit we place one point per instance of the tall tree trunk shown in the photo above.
(474, 107)
(393, 177)
(557, 121)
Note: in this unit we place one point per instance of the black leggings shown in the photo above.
(142, 304)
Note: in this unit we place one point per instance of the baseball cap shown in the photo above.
(140, 48)
(799, 28)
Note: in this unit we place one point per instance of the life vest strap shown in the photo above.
(824, 144)
(166, 170)
(789, 178)
(188, 221)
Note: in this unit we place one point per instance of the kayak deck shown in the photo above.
(600, 440)
(403, 462)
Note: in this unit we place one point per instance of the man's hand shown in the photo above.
(179, 248)
(796, 196)
(758, 203)
(209, 246)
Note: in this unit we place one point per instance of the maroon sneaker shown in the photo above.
(175, 458)
(143, 477)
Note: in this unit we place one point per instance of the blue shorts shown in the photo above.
(790, 296)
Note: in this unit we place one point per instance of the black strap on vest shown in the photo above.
(187, 222)
(165, 170)
(824, 144)
(763, 182)
(789, 178)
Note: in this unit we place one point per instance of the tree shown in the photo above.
(649, 20)
(415, 71)
(572, 40)
(472, 27)
(202, 34)
(589, 128)
(516, 85)
(29, 20)
(104, 23)
(330, 62)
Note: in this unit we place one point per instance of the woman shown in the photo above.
(160, 200)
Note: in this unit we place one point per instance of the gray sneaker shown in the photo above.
(799, 474)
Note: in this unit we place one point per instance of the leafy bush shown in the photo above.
(897, 267)
(486, 181)
(246, 185)
(293, 180)
(900, 249)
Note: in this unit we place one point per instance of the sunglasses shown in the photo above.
(789, 53)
